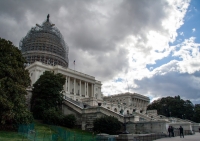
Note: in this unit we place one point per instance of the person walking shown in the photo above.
(169, 131)
(181, 131)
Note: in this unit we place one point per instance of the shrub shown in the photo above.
(69, 121)
(107, 124)
(52, 116)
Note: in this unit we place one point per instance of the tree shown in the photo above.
(107, 124)
(14, 80)
(47, 93)
(197, 113)
(173, 106)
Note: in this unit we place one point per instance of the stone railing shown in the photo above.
(79, 107)
(75, 102)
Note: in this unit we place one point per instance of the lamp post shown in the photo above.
(125, 131)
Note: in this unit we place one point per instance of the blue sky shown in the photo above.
(191, 27)
(145, 46)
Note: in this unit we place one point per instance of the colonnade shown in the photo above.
(139, 102)
(77, 87)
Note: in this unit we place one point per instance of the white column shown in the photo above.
(69, 84)
(35, 73)
(85, 88)
(74, 86)
(92, 90)
(65, 85)
(80, 89)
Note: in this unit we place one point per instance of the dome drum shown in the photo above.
(45, 58)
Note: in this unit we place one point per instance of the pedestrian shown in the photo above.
(169, 130)
(199, 129)
(172, 131)
(181, 131)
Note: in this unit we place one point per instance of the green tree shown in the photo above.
(173, 106)
(14, 80)
(47, 93)
(197, 113)
(107, 124)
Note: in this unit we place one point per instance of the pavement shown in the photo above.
(195, 137)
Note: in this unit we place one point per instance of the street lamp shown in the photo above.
(125, 131)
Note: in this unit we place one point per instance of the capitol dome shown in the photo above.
(45, 43)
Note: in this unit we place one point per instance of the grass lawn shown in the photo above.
(43, 131)
(11, 136)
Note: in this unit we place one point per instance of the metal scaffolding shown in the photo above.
(45, 43)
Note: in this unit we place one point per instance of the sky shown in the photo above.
(150, 47)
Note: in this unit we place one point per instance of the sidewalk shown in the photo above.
(195, 137)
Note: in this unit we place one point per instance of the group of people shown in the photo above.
(171, 131)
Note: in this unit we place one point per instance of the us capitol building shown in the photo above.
(45, 50)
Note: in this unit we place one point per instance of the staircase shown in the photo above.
(90, 113)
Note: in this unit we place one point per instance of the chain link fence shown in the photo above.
(55, 133)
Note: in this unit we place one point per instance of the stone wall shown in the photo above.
(195, 127)
(145, 127)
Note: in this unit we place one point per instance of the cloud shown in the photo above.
(114, 39)
(176, 77)
(171, 84)
(181, 33)
(193, 30)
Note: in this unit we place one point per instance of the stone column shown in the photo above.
(68, 84)
(136, 102)
(85, 89)
(36, 76)
(92, 93)
(74, 86)
(80, 88)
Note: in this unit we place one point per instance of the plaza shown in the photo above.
(195, 137)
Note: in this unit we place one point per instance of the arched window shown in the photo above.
(127, 112)
(115, 110)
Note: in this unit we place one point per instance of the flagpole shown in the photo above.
(74, 65)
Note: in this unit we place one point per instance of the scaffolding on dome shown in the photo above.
(45, 43)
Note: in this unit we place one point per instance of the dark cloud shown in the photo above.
(171, 84)
(89, 27)
(94, 30)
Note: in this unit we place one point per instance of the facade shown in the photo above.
(78, 86)
(126, 103)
